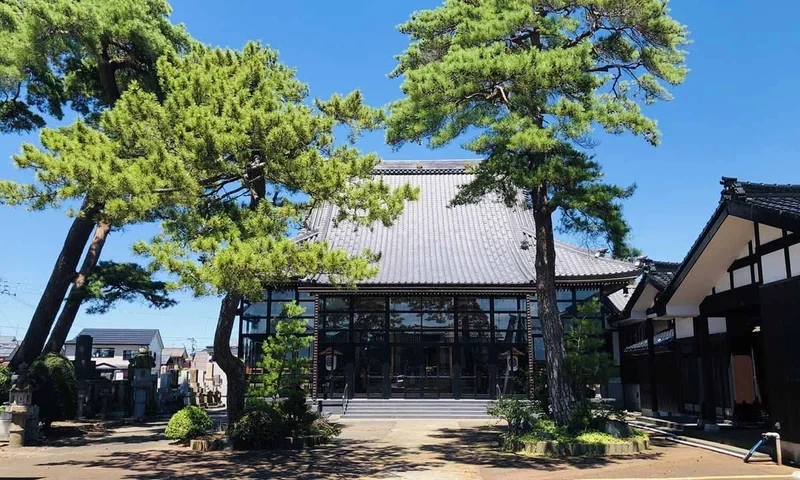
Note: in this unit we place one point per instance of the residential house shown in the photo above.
(112, 348)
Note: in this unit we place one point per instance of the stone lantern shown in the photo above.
(20, 399)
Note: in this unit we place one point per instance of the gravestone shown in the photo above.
(141, 380)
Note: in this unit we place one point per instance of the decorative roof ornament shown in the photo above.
(731, 188)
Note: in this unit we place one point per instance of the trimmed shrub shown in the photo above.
(257, 429)
(55, 388)
(266, 424)
(188, 423)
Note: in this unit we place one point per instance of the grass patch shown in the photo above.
(546, 430)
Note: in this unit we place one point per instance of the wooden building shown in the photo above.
(720, 339)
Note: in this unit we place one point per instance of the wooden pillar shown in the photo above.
(531, 351)
(315, 359)
(651, 365)
(708, 404)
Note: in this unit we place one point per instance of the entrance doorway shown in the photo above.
(421, 371)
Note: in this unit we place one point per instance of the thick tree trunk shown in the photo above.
(60, 278)
(231, 365)
(560, 391)
(73, 304)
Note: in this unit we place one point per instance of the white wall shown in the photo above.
(716, 325)
(684, 327)
(768, 234)
(794, 258)
(773, 266)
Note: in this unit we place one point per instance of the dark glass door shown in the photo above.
(475, 366)
(369, 371)
(407, 371)
(438, 381)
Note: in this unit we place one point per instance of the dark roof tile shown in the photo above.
(435, 243)
(118, 336)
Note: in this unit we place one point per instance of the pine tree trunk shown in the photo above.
(231, 365)
(75, 299)
(60, 278)
(560, 391)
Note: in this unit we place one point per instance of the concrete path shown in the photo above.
(367, 449)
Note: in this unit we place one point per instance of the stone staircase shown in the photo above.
(416, 408)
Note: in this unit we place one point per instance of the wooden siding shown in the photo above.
(780, 304)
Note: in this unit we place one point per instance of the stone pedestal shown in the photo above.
(19, 417)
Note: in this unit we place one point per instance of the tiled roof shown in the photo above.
(172, 352)
(619, 299)
(758, 199)
(656, 273)
(782, 198)
(659, 340)
(661, 273)
(434, 243)
(118, 336)
(7, 350)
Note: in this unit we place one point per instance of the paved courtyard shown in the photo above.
(403, 449)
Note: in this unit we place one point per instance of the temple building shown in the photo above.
(452, 312)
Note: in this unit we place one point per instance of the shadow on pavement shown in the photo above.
(96, 434)
(479, 446)
(343, 458)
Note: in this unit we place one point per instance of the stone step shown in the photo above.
(416, 408)
(389, 414)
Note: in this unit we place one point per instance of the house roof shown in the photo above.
(619, 299)
(118, 336)
(770, 204)
(656, 273)
(7, 350)
(659, 340)
(168, 353)
(433, 243)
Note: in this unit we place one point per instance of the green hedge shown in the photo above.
(55, 388)
(189, 423)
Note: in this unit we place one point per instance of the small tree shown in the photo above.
(284, 368)
(586, 362)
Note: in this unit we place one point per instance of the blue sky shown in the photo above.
(736, 115)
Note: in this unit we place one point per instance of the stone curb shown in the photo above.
(551, 448)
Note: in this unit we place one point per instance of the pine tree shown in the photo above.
(268, 158)
(528, 80)
(82, 55)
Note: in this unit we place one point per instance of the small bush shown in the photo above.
(257, 429)
(189, 423)
(519, 414)
(55, 388)
(5, 383)
(265, 424)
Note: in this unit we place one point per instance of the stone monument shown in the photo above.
(141, 380)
